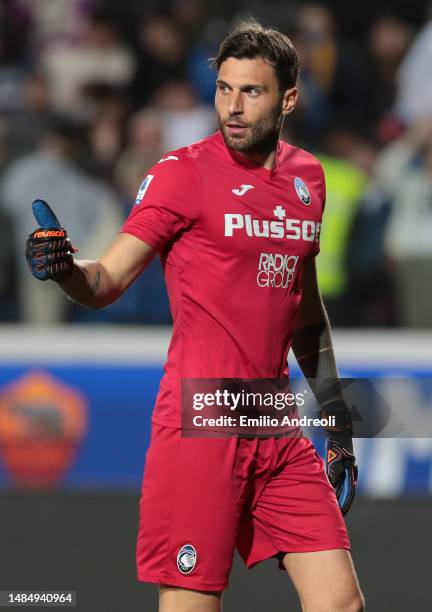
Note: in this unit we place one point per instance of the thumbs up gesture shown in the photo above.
(48, 249)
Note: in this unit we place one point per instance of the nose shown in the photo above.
(235, 104)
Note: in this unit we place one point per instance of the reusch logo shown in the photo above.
(50, 234)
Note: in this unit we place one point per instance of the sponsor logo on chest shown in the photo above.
(276, 270)
(281, 227)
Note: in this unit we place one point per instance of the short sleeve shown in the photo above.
(323, 188)
(323, 195)
(167, 202)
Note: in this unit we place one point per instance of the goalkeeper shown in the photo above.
(236, 220)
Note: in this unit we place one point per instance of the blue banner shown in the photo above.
(76, 426)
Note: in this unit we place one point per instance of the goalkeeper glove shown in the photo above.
(341, 468)
(48, 249)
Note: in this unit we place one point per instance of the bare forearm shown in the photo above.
(96, 284)
(90, 285)
(312, 343)
(313, 348)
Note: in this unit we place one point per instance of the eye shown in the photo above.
(252, 91)
(222, 88)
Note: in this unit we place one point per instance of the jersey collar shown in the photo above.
(239, 159)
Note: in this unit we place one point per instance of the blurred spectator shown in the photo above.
(368, 297)
(161, 57)
(389, 39)
(101, 58)
(331, 76)
(25, 127)
(184, 120)
(84, 206)
(415, 77)
(189, 15)
(109, 107)
(58, 21)
(346, 183)
(14, 55)
(405, 173)
(143, 150)
(370, 288)
(355, 275)
(66, 57)
(9, 307)
(200, 75)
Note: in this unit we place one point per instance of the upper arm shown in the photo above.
(127, 257)
(311, 306)
(167, 203)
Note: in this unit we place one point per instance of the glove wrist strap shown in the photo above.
(339, 414)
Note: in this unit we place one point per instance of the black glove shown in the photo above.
(341, 468)
(48, 249)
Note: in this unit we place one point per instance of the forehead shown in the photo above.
(257, 71)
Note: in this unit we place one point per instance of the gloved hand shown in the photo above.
(48, 249)
(342, 471)
(341, 468)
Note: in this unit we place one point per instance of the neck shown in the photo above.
(266, 160)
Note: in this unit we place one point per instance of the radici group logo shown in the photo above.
(276, 270)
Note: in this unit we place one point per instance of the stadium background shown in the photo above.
(91, 94)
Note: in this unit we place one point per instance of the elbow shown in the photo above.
(312, 317)
(95, 302)
(98, 303)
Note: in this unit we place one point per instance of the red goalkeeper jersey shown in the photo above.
(233, 238)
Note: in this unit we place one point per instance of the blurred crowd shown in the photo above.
(90, 101)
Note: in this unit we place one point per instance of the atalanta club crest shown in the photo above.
(186, 559)
(302, 191)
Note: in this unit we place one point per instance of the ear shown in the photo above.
(289, 100)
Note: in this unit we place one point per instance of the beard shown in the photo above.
(260, 137)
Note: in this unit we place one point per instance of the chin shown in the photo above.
(238, 144)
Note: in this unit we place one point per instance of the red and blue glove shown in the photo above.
(342, 471)
(341, 467)
(49, 252)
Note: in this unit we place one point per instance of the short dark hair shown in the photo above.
(251, 39)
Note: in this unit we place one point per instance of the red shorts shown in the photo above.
(202, 498)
